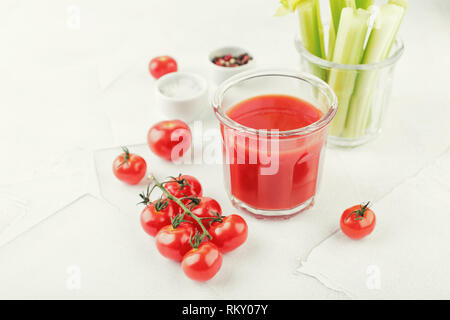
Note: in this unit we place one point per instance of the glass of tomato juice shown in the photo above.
(274, 125)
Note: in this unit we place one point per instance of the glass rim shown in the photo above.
(309, 78)
(392, 59)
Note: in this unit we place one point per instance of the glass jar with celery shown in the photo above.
(355, 54)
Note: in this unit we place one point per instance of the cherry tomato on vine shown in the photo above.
(129, 168)
(358, 221)
(184, 186)
(202, 263)
(169, 139)
(230, 233)
(173, 243)
(162, 65)
(156, 215)
(206, 208)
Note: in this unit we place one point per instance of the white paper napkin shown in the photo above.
(12, 209)
(27, 203)
(408, 254)
(115, 258)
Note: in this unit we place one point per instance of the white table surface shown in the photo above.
(73, 91)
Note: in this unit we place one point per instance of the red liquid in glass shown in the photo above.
(298, 157)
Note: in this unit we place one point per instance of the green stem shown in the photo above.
(126, 155)
(181, 204)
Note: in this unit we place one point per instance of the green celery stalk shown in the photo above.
(311, 28)
(349, 49)
(311, 32)
(319, 28)
(404, 5)
(336, 7)
(363, 4)
(378, 47)
(331, 42)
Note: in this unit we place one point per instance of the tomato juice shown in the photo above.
(295, 157)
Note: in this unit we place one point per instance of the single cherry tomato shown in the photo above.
(206, 208)
(202, 263)
(230, 233)
(173, 243)
(129, 167)
(156, 215)
(162, 65)
(169, 139)
(184, 186)
(358, 221)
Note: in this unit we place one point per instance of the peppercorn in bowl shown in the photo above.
(227, 61)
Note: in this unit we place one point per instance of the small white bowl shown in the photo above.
(182, 95)
(220, 74)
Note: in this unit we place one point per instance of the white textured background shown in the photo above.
(72, 93)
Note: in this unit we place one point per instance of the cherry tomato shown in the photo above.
(156, 215)
(202, 263)
(169, 139)
(173, 243)
(162, 65)
(129, 167)
(207, 208)
(230, 233)
(184, 186)
(358, 221)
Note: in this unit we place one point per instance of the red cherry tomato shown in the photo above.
(202, 263)
(169, 139)
(173, 243)
(358, 221)
(162, 65)
(184, 186)
(230, 233)
(129, 168)
(207, 208)
(156, 215)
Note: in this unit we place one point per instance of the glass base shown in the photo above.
(351, 142)
(272, 214)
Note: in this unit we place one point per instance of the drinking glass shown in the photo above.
(267, 172)
(363, 92)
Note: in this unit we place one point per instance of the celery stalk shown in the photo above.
(336, 7)
(311, 31)
(363, 4)
(331, 42)
(379, 44)
(349, 49)
(319, 28)
(311, 28)
(404, 5)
